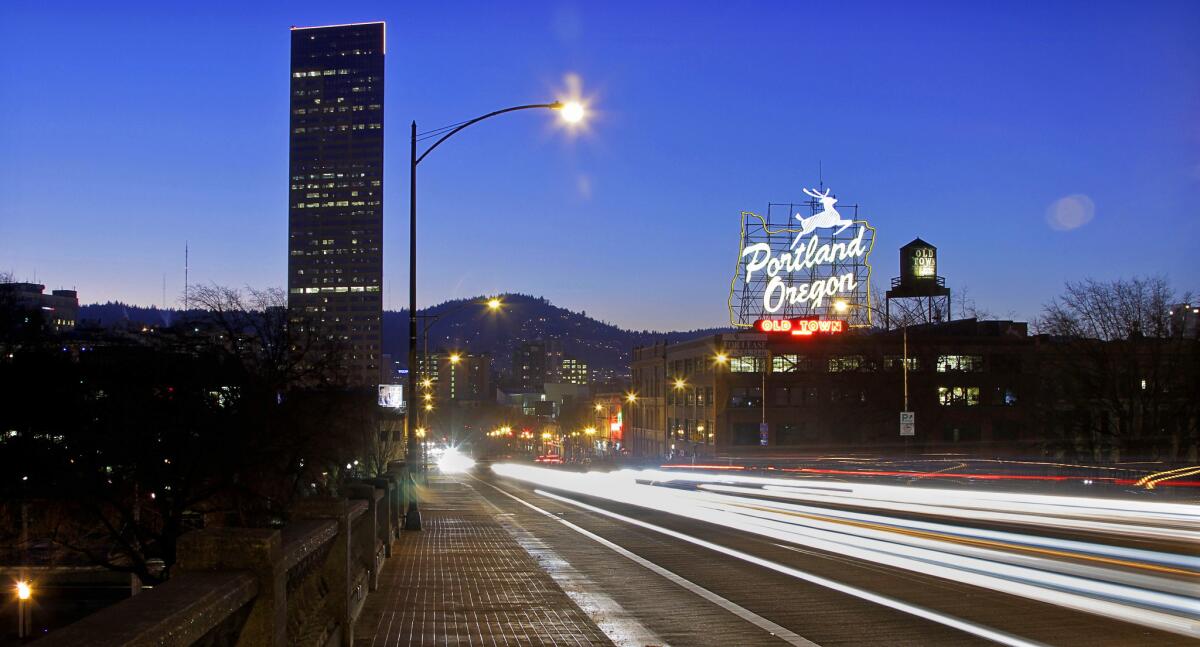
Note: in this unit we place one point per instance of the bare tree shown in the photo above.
(384, 441)
(253, 326)
(1118, 383)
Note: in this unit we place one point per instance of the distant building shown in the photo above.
(335, 223)
(456, 377)
(574, 371)
(1185, 320)
(59, 310)
(535, 363)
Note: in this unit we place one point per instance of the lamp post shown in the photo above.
(24, 621)
(572, 112)
(720, 360)
(680, 385)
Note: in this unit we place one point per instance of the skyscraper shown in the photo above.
(335, 212)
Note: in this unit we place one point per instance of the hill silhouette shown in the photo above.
(467, 325)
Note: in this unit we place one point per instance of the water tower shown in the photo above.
(919, 290)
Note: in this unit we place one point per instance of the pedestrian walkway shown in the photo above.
(465, 580)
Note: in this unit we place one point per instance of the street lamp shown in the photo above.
(24, 621)
(571, 113)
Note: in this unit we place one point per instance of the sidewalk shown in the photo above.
(464, 580)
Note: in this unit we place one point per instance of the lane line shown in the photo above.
(996, 635)
(776, 630)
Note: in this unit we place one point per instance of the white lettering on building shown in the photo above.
(806, 252)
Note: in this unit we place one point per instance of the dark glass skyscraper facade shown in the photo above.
(335, 214)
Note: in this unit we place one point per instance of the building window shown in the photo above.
(896, 363)
(845, 363)
(956, 396)
(960, 363)
(745, 397)
(1005, 397)
(781, 396)
(747, 364)
(790, 364)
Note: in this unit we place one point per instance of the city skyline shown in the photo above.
(1027, 126)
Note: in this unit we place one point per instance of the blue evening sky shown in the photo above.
(127, 128)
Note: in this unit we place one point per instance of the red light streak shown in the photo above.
(923, 475)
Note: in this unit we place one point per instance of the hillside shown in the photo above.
(467, 325)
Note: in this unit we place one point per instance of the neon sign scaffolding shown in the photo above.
(792, 266)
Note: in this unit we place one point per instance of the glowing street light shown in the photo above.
(572, 112)
(427, 383)
(428, 407)
(420, 432)
(841, 306)
(494, 303)
(455, 358)
(720, 358)
(680, 383)
(599, 407)
(631, 397)
(24, 590)
(591, 431)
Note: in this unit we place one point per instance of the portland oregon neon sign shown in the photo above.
(793, 266)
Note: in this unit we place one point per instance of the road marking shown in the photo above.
(776, 630)
(610, 617)
(921, 612)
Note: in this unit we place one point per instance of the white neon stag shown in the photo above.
(825, 219)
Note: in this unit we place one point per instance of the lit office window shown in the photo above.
(960, 363)
(747, 364)
(958, 396)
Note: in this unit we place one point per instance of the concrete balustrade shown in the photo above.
(304, 584)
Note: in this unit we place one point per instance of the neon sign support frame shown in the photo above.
(778, 229)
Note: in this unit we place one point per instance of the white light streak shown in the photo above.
(1146, 587)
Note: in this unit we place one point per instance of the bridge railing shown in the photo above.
(304, 584)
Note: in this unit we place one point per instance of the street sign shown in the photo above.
(746, 345)
(763, 434)
(908, 423)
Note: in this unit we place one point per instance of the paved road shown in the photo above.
(686, 560)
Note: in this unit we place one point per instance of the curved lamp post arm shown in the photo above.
(552, 106)
(412, 518)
